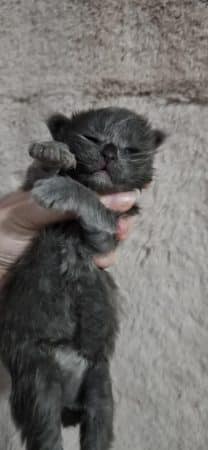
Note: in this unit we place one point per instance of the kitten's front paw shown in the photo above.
(105, 239)
(48, 192)
(53, 153)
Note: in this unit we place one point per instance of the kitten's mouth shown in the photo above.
(101, 181)
(101, 172)
(101, 175)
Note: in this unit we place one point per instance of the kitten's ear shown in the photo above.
(57, 125)
(158, 138)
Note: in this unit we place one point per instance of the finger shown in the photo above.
(124, 227)
(105, 261)
(12, 199)
(22, 215)
(37, 216)
(121, 201)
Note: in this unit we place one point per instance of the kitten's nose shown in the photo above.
(110, 152)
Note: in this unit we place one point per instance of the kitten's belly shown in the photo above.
(73, 367)
(58, 296)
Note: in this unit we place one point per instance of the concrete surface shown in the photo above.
(150, 56)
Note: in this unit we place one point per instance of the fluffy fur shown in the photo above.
(59, 311)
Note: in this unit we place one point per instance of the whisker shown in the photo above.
(139, 161)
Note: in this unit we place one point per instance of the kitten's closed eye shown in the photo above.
(130, 151)
(92, 138)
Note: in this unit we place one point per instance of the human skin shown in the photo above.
(21, 218)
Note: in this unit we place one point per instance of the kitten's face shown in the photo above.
(114, 147)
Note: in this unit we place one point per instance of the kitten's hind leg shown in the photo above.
(96, 431)
(53, 153)
(36, 408)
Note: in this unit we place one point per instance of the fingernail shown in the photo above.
(137, 194)
(125, 226)
(104, 261)
(122, 226)
(123, 199)
(130, 196)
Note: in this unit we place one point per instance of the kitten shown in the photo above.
(58, 320)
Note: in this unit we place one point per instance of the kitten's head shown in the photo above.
(114, 147)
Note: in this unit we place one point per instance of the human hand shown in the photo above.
(121, 202)
(21, 218)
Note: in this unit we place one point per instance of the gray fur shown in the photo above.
(59, 317)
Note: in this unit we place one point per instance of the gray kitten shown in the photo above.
(59, 310)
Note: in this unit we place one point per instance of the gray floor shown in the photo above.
(150, 56)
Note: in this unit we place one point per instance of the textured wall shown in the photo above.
(150, 56)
